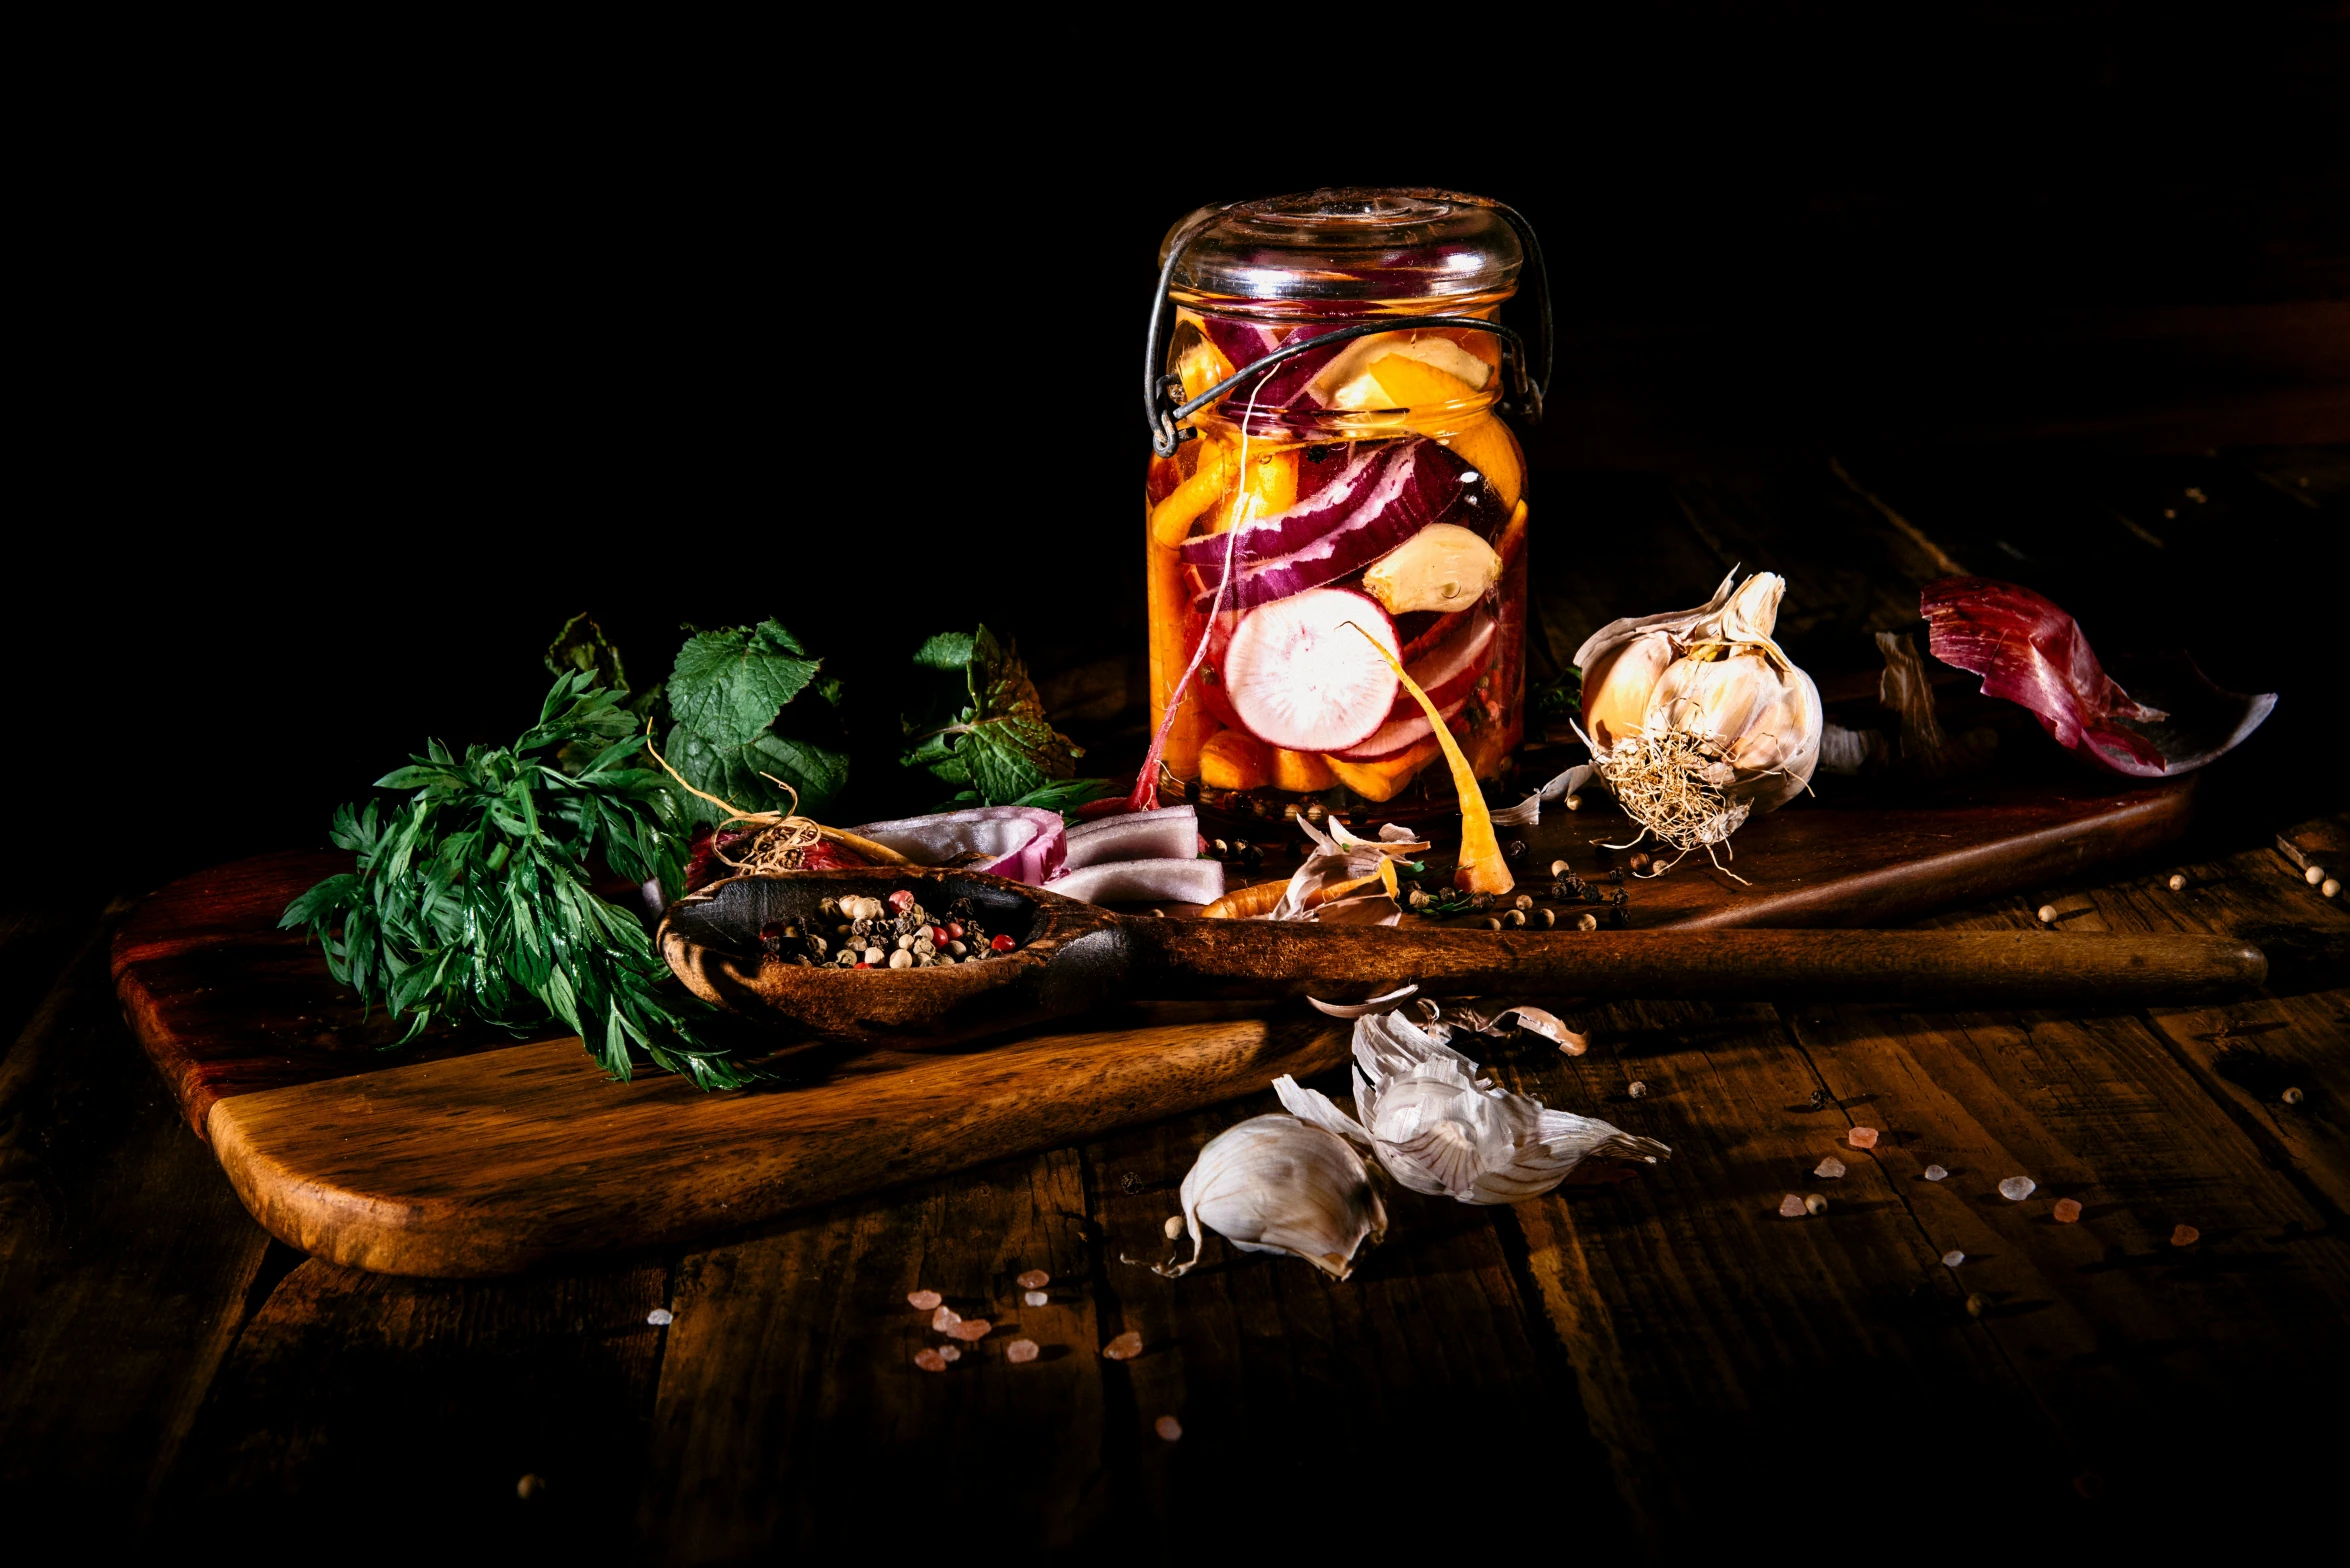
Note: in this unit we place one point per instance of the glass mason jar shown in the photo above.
(1362, 490)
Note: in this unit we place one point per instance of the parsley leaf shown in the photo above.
(470, 900)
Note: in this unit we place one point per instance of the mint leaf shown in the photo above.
(728, 686)
(737, 773)
(1000, 745)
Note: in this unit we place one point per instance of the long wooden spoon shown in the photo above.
(1075, 956)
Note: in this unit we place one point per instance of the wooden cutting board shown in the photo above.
(471, 1154)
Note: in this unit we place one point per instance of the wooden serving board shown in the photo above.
(470, 1154)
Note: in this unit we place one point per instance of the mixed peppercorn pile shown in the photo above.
(856, 932)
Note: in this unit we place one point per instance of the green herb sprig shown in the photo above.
(471, 900)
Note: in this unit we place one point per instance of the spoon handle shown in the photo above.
(1961, 968)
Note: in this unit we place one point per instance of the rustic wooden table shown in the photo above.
(1636, 1369)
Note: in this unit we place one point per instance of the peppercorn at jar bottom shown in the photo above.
(894, 933)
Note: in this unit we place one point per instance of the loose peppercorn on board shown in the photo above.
(470, 1153)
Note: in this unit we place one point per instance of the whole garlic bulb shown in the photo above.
(1707, 692)
(1275, 1184)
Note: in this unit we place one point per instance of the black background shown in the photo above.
(349, 395)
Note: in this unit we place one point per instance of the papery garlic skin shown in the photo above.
(1277, 1184)
(1439, 1129)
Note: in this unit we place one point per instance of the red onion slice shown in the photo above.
(1169, 833)
(1143, 881)
(2031, 653)
(1022, 843)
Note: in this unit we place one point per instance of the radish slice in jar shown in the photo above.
(1400, 734)
(1299, 676)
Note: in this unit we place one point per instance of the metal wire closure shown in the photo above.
(1527, 386)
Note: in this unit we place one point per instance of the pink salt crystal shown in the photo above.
(930, 1361)
(1792, 1207)
(2017, 1188)
(1953, 1258)
(1034, 1298)
(1125, 1347)
(1935, 1173)
(1020, 1350)
(2185, 1236)
(1034, 1279)
(1862, 1137)
(923, 1300)
(1168, 1427)
(950, 1352)
(945, 1319)
(2067, 1211)
(970, 1329)
(1831, 1168)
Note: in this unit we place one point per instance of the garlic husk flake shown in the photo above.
(1277, 1184)
(1439, 1129)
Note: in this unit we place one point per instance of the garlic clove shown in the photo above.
(1277, 1184)
(1618, 690)
(1444, 567)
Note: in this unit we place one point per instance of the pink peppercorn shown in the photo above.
(1001, 944)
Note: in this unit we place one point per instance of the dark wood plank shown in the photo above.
(1329, 1406)
(1728, 1356)
(2246, 1054)
(2137, 1348)
(435, 1398)
(124, 1265)
(792, 1414)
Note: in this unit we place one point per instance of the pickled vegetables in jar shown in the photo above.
(1361, 496)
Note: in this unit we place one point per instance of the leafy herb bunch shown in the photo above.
(994, 740)
(471, 901)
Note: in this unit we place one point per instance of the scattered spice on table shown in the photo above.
(1125, 1347)
(945, 1318)
(970, 1329)
(1815, 1204)
(660, 1317)
(1020, 1351)
(1168, 1427)
(1791, 1207)
(2185, 1236)
(1953, 1258)
(930, 1361)
(2017, 1188)
(1862, 1137)
(1034, 1279)
(950, 1353)
(1829, 1168)
(923, 1300)
(1936, 1173)
(2068, 1211)
(1034, 1298)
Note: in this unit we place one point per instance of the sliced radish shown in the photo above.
(1447, 670)
(1400, 733)
(1299, 676)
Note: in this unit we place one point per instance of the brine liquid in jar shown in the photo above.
(1364, 492)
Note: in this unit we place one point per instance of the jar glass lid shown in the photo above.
(1348, 243)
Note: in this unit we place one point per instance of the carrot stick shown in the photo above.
(1482, 870)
